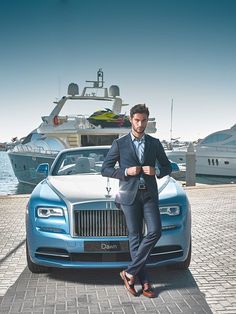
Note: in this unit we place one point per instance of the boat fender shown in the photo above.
(56, 120)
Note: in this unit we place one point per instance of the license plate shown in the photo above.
(106, 246)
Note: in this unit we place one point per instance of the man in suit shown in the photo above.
(137, 154)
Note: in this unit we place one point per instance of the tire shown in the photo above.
(35, 268)
(185, 264)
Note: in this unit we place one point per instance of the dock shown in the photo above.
(209, 286)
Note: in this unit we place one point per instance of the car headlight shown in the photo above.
(45, 212)
(170, 210)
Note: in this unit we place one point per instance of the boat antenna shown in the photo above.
(59, 86)
(100, 78)
(99, 82)
(171, 120)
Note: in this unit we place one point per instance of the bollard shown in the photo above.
(190, 166)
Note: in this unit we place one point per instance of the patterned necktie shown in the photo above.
(140, 150)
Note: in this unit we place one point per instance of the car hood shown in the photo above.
(80, 188)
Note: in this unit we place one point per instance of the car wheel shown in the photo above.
(185, 264)
(35, 268)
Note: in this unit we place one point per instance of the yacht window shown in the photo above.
(226, 162)
(97, 140)
(213, 162)
(217, 162)
(230, 143)
(214, 138)
(209, 161)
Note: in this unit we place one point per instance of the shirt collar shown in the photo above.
(142, 139)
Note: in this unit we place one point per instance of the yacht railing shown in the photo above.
(36, 150)
(78, 121)
(82, 122)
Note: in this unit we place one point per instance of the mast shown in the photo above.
(171, 121)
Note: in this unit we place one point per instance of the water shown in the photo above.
(8, 181)
(215, 180)
(10, 186)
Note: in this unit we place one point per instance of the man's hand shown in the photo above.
(133, 171)
(150, 171)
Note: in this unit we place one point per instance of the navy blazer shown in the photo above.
(123, 152)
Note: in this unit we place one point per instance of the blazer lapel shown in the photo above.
(132, 149)
(146, 149)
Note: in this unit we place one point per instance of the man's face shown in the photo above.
(139, 122)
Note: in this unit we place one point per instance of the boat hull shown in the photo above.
(216, 164)
(25, 165)
(212, 163)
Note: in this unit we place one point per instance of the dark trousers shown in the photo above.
(143, 209)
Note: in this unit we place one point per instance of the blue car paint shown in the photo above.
(43, 195)
(55, 232)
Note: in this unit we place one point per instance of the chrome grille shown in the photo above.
(100, 223)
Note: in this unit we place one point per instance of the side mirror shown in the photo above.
(43, 168)
(174, 166)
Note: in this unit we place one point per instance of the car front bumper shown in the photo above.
(62, 251)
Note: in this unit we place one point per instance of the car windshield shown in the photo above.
(80, 161)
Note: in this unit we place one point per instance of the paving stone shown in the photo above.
(208, 287)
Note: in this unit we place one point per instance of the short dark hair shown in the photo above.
(140, 108)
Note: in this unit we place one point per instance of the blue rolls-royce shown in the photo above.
(72, 220)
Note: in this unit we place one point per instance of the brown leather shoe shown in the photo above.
(148, 291)
(129, 283)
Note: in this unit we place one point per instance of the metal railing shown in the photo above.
(38, 150)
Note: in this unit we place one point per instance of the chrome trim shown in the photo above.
(101, 223)
(162, 187)
(169, 227)
(170, 252)
(51, 254)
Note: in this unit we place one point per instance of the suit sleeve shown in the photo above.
(163, 162)
(108, 166)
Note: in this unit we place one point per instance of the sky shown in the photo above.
(155, 50)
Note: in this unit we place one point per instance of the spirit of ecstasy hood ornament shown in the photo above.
(108, 188)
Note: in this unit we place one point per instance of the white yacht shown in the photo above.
(215, 154)
(58, 131)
